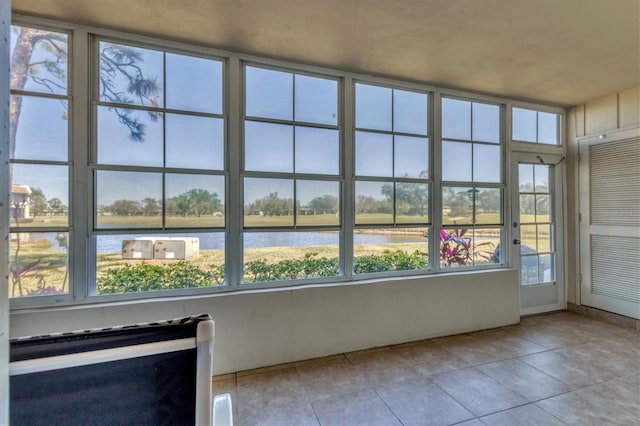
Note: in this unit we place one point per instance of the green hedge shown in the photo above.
(148, 277)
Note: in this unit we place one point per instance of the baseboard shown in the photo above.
(605, 316)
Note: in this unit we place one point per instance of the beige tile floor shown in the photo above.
(553, 369)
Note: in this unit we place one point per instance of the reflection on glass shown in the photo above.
(461, 247)
(194, 84)
(409, 112)
(374, 202)
(546, 268)
(129, 263)
(456, 119)
(38, 264)
(524, 126)
(488, 205)
(412, 202)
(317, 150)
(191, 201)
(129, 137)
(486, 122)
(318, 203)
(411, 157)
(194, 142)
(131, 75)
(384, 250)
(281, 256)
(548, 128)
(487, 163)
(268, 202)
(42, 132)
(457, 205)
(121, 198)
(268, 147)
(373, 107)
(456, 161)
(269, 93)
(316, 100)
(374, 154)
(46, 64)
(529, 270)
(527, 208)
(39, 195)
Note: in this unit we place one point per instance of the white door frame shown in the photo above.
(558, 208)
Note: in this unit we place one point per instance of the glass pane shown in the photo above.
(40, 64)
(194, 142)
(373, 107)
(131, 75)
(469, 247)
(527, 208)
(456, 161)
(409, 112)
(374, 154)
(457, 205)
(38, 264)
(317, 150)
(280, 256)
(544, 238)
(42, 131)
(268, 147)
(488, 206)
(374, 202)
(412, 202)
(524, 125)
(456, 119)
(542, 208)
(268, 202)
(486, 122)
(131, 263)
(548, 128)
(194, 84)
(411, 157)
(269, 94)
(528, 239)
(546, 268)
(316, 100)
(382, 250)
(120, 199)
(525, 177)
(39, 195)
(129, 137)
(487, 163)
(541, 177)
(529, 270)
(191, 201)
(318, 203)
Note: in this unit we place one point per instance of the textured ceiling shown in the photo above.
(563, 52)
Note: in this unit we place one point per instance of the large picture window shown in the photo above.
(393, 179)
(292, 176)
(472, 183)
(159, 180)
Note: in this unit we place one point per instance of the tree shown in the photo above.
(150, 206)
(117, 63)
(324, 204)
(37, 202)
(55, 204)
(125, 207)
(202, 201)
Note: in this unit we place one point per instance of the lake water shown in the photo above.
(215, 241)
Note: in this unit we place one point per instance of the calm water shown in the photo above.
(215, 241)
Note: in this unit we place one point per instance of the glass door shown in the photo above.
(537, 232)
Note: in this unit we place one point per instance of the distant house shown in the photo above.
(19, 202)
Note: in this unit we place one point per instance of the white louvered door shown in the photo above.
(610, 223)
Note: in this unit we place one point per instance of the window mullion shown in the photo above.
(234, 241)
(348, 167)
(436, 193)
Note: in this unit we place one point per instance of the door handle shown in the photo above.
(516, 241)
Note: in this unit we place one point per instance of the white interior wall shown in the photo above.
(261, 328)
(606, 114)
(5, 13)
